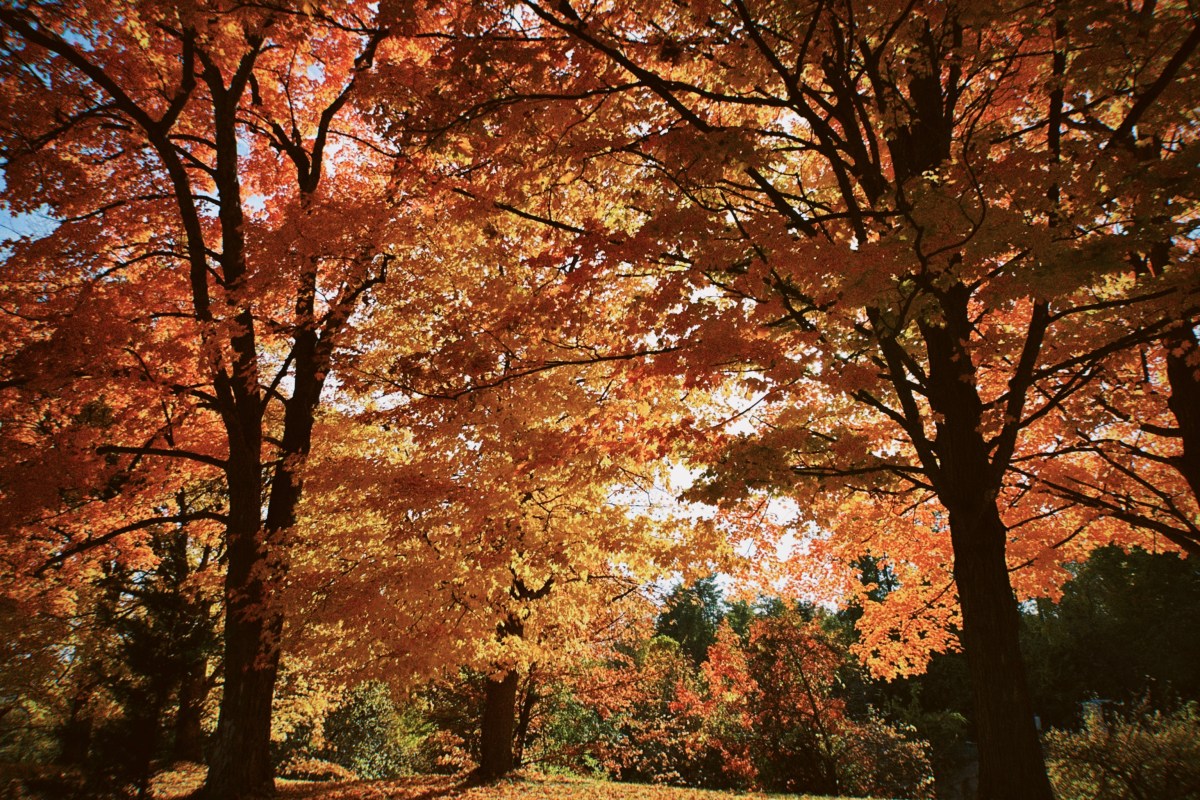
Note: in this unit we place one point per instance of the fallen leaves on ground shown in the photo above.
(177, 785)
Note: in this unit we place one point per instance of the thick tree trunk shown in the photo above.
(240, 764)
(1010, 757)
(189, 734)
(499, 724)
(257, 557)
(968, 476)
(497, 732)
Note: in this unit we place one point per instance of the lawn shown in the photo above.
(535, 787)
(174, 786)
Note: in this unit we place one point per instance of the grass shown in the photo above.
(175, 786)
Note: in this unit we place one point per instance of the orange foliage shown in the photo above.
(433, 291)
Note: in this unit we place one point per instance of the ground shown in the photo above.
(175, 786)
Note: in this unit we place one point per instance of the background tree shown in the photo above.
(30, 683)
(1117, 634)
(164, 621)
(693, 613)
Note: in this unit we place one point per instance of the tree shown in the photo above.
(509, 532)
(162, 631)
(647, 739)
(1117, 633)
(189, 159)
(768, 710)
(795, 668)
(917, 254)
(691, 617)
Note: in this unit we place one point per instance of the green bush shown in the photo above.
(370, 736)
(1139, 756)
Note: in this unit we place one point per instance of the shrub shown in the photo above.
(370, 736)
(880, 759)
(1141, 756)
(442, 753)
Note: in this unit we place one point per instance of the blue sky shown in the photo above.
(14, 226)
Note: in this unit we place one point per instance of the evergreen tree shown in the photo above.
(691, 617)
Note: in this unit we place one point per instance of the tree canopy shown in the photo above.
(414, 316)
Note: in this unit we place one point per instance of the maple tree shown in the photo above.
(932, 206)
(247, 215)
(787, 680)
(634, 696)
(202, 270)
(922, 268)
(507, 532)
(766, 708)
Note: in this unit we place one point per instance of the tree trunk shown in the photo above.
(242, 756)
(529, 699)
(147, 740)
(968, 477)
(1010, 757)
(496, 735)
(189, 734)
(257, 557)
(75, 736)
(499, 723)
(240, 763)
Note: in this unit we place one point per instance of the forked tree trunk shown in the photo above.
(257, 557)
(240, 764)
(968, 481)
(499, 724)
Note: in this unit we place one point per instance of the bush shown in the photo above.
(370, 736)
(443, 753)
(1142, 756)
(880, 759)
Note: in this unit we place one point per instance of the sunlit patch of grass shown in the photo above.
(531, 786)
(178, 782)
(525, 787)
